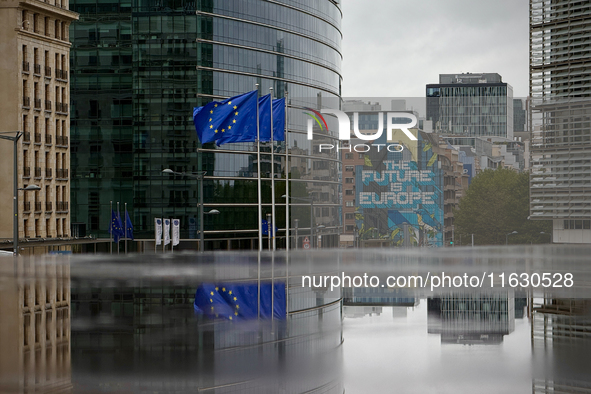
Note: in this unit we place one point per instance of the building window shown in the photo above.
(348, 156)
(349, 216)
(350, 228)
(350, 203)
(349, 168)
(349, 180)
(361, 155)
(350, 192)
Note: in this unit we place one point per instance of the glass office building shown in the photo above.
(138, 69)
(471, 105)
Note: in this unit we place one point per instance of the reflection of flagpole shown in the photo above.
(125, 228)
(172, 236)
(260, 207)
(111, 230)
(272, 174)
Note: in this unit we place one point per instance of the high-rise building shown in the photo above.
(471, 105)
(34, 101)
(560, 90)
(140, 68)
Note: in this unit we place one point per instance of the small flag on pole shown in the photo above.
(175, 232)
(116, 228)
(158, 227)
(128, 226)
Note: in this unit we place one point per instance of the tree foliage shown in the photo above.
(496, 204)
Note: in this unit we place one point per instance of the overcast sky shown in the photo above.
(393, 48)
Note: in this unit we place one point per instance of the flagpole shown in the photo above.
(111, 230)
(286, 180)
(286, 212)
(272, 231)
(260, 207)
(125, 228)
(119, 217)
(171, 239)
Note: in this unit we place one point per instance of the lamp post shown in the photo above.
(311, 201)
(199, 177)
(507, 237)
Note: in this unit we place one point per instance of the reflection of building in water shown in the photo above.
(378, 296)
(150, 333)
(471, 318)
(562, 327)
(561, 319)
(361, 311)
(35, 329)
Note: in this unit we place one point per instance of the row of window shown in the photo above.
(42, 228)
(577, 224)
(44, 25)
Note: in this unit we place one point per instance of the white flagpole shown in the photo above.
(119, 217)
(286, 180)
(272, 176)
(172, 238)
(286, 212)
(260, 205)
(111, 230)
(125, 228)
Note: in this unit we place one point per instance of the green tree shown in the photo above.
(496, 204)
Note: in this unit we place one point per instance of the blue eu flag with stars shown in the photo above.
(231, 120)
(265, 119)
(239, 301)
(116, 226)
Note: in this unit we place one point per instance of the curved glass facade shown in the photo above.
(140, 68)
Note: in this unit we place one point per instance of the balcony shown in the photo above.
(38, 172)
(61, 141)
(48, 139)
(26, 172)
(47, 105)
(48, 173)
(62, 206)
(26, 137)
(27, 206)
(38, 138)
(27, 102)
(37, 69)
(62, 173)
(61, 74)
(37, 103)
(47, 72)
(25, 67)
(38, 207)
(48, 207)
(61, 108)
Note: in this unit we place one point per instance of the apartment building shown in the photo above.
(34, 103)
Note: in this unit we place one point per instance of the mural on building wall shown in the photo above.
(400, 194)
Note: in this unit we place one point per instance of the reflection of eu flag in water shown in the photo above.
(231, 120)
(235, 301)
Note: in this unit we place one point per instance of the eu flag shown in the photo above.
(116, 228)
(235, 301)
(265, 119)
(128, 226)
(231, 120)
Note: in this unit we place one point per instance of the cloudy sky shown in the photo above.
(393, 48)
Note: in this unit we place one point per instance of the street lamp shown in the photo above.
(507, 237)
(311, 201)
(199, 177)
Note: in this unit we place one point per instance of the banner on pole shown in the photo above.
(176, 224)
(166, 231)
(158, 230)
